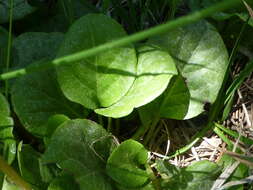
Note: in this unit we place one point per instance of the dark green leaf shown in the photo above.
(126, 165)
(76, 147)
(20, 9)
(37, 96)
(64, 182)
(103, 79)
(200, 174)
(29, 166)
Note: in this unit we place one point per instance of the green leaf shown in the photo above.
(199, 174)
(37, 96)
(29, 166)
(201, 58)
(175, 100)
(76, 147)
(103, 79)
(125, 164)
(173, 103)
(240, 172)
(154, 70)
(6, 127)
(65, 182)
(20, 9)
(52, 123)
(34, 46)
(4, 106)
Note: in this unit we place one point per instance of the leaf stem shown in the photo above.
(151, 129)
(123, 41)
(13, 175)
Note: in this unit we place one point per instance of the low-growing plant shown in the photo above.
(59, 85)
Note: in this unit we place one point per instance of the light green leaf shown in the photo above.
(154, 70)
(173, 103)
(6, 127)
(103, 79)
(20, 9)
(76, 147)
(7, 142)
(37, 96)
(125, 164)
(4, 106)
(201, 58)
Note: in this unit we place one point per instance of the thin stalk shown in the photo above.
(124, 41)
(9, 45)
(151, 130)
(223, 137)
(13, 175)
(234, 50)
(100, 120)
(109, 124)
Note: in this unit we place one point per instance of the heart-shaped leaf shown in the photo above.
(76, 147)
(154, 70)
(125, 164)
(101, 80)
(201, 58)
(37, 96)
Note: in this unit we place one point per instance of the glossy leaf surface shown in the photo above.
(125, 164)
(202, 59)
(154, 70)
(101, 80)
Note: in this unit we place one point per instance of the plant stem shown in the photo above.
(13, 175)
(124, 41)
(9, 46)
(151, 129)
(109, 124)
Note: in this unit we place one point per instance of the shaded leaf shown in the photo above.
(29, 166)
(199, 174)
(103, 79)
(72, 149)
(201, 58)
(126, 164)
(37, 96)
(64, 182)
(154, 70)
(20, 9)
